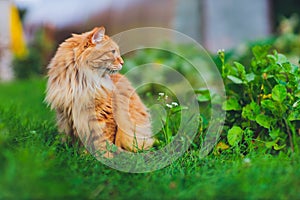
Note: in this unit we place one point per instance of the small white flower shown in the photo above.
(161, 94)
(166, 97)
(169, 106)
(221, 51)
(174, 104)
(247, 160)
(296, 104)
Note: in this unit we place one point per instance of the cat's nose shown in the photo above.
(121, 61)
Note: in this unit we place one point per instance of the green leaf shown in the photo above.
(282, 59)
(281, 78)
(268, 104)
(260, 51)
(296, 104)
(271, 68)
(241, 69)
(178, 109)
(277, 147)
(271, 144)
(204, 95)
(264, 120)
(287, 66)
(250, 111)
(297, 93)
(294, 116)
(235, 79)
(274, 134)
(234, 135)
(279, 93)
(231, 104)
(250, 77)
(295, 69)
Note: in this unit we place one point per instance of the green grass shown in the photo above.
(35, 165)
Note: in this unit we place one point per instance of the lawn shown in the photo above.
(36, 165)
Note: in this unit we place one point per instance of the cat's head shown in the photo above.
(98, 52)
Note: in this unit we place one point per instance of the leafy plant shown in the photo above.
(262, 101)
(262, 104)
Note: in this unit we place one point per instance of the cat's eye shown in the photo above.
(113, 51)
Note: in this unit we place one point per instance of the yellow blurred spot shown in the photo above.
(222, 146)
(265, 76)
(18, 45)
(267, 96)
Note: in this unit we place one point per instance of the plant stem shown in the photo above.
(294, 135)
(290, 135)
(250, 93)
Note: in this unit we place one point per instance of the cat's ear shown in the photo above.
(98, 35)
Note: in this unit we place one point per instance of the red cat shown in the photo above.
(91, 99)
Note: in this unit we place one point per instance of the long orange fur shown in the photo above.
(92, 101)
